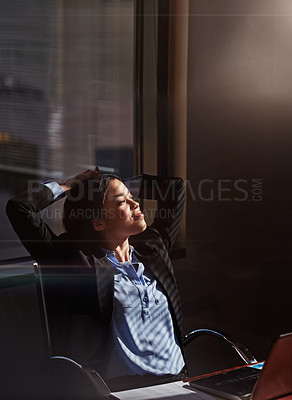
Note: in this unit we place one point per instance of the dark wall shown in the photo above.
(237, 276)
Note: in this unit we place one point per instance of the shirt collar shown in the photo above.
(126, 267)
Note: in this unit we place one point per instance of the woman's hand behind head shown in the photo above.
(83, 176)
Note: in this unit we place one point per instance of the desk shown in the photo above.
(17, 274)
(169, 391)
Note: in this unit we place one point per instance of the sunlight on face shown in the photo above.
(123, 216)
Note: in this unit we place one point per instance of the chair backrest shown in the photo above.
(42, 305)
(66, 379)
(67, 297)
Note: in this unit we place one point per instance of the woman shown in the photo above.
(114, 305)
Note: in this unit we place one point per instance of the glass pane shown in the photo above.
(66, 94)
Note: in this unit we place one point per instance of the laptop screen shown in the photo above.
(275, 380)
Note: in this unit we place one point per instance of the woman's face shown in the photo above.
(122, 214)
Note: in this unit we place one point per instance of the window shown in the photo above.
(66, 94)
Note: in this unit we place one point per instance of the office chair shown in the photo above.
(67, 379)
(63, 377)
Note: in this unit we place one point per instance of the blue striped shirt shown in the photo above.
(143, 339)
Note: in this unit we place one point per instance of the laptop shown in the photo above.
(273, 381)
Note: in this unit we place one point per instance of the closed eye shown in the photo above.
(135, 198)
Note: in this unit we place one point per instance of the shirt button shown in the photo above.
(145, 299)
(146, 312)
(156, 301)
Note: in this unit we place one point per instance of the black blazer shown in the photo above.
(79, 278)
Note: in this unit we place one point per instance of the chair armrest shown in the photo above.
(241, 350)
(77, 381)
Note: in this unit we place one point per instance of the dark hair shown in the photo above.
(84, 203)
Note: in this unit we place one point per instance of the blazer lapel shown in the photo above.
(104, 283)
